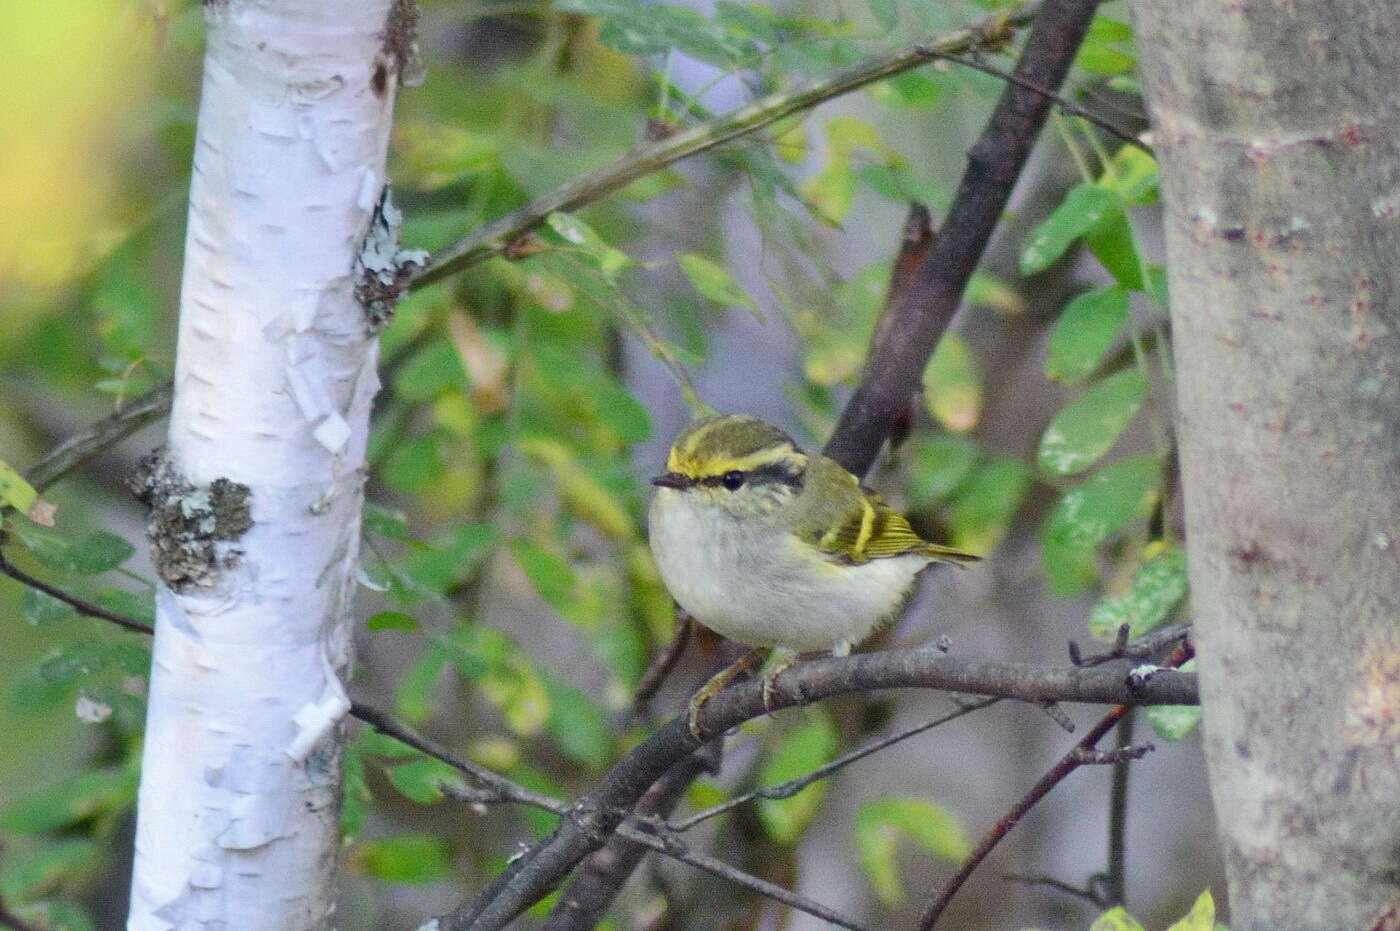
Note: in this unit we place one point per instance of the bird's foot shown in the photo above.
(769, 683)
(715, 686)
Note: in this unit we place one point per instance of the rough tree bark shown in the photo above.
(1278, 129)
(256, 498)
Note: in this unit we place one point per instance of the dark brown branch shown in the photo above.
(1059, 885)
(1066, 765)
(592, 819)
(1082, 754)
(105, 433)
(605, 871)
(77, 604)
(906, 337)
(1116, 876)
(1064, 103)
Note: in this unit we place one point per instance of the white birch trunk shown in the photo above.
(257, 501)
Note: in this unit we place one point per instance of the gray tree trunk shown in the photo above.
(1278, 130)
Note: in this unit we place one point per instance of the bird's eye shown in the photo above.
(732, 480)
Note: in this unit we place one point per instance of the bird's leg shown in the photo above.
(717, 684)
(786, 659)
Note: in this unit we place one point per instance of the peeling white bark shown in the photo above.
(238, 822)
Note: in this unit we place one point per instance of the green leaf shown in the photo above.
(41, 609)
(1158, 586)
(451, 558)
(1116, 919)
(879, 825)
(1086, 330)
(1103, 29)
(433, 369)
(578, 725)
(1083, 208)
(1111, 241)
(405, 858)
(986, 505)
(419, 780)
(355, 796)
(952, 385)
(833, 189)
(1132, 174)
(69, 801)
(1173, 722)
(571, 232)
(715, 282)
(1101, 59)
(99, 551)
(1088, 426)
(1070, 569)
(74, 660)
(40, 870)
(553, 578)
(939, 466)
(1157, 285)
(393, 620)
(414, 464)
(1201, 917)
(809, 745)
(48, 547)
(140, 606)
(20, 495)
(57, 915)
(885, 13)
(1093, 512)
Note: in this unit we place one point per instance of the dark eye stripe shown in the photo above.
(777, 473)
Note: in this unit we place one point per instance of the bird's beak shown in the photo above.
(672, 480)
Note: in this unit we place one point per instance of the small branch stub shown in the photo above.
(190, 526)
(382, 269)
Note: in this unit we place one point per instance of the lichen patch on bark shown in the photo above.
(190, 526)
(381, 267)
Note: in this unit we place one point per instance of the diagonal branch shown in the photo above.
(77, 604)
(910, 329)
(1082, 754)
(793, 786)
(105, 433)
(496, 237)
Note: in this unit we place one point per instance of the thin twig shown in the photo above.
(496, 237)
(76, 603)
(1064, 103)
(1116, 876)
(1081, 754)
(661, 667)
(672, 847)
(88, 442)
(1088, 895)
(793, 786)
(1066, 765)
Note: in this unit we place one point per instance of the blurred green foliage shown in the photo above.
(500, 454)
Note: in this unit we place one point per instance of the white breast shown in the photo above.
(755, 583)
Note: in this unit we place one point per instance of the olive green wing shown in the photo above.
(851, 523)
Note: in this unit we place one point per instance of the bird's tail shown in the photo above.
(939, 553)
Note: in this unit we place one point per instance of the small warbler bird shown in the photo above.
(776, 548)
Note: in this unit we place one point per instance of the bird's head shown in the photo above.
(739, 464)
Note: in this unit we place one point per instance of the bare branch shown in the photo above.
(77, 604)
(496, 237)
(1116, 876)
(910, 329)
(83, 445)
(1081, 754)
(1064, 103)
(793, 786)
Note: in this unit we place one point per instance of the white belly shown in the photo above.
(753, 582)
